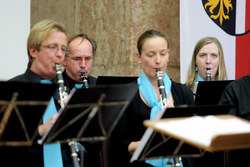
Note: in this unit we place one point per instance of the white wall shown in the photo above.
(14, 30)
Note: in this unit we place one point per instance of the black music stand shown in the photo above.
(22, 106)
(90, 115)
(155, 145)
(209, 92)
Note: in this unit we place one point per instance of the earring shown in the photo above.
(196, 69)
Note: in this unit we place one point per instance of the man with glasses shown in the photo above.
(46, 47)
(78, 62)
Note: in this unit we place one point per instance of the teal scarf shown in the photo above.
(199, 78)
(149, 94)
(52, 152)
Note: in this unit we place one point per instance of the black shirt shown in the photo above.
(70, 84)
(92, 156)
(23, 156)
(237, 93)
(130, 127)
(33, 156)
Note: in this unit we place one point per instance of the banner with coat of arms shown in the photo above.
(228, 21)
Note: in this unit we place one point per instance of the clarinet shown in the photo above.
(164, 102)
(84, 80)
(208, 75)
(163, 94)
(62, 89)
(63, 94)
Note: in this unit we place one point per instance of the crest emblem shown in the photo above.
(223, 14)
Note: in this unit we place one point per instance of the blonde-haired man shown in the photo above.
(46, 47)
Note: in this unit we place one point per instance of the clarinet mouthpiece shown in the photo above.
(84, 80)
(208, 75)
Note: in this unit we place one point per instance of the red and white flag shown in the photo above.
(228, 21)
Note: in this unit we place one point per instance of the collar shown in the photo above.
(70, 83)
(32, 76)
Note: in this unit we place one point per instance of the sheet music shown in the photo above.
(201, 130)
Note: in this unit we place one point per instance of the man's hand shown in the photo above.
(132, 147)
(44, 127)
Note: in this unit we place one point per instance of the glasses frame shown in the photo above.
(55, 48)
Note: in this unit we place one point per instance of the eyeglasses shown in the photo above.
(55, 48)
(80, 59)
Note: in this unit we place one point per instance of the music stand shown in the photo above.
(22, 106)
(90, 114)
(112, 80)
(209, 92)
(155, 145)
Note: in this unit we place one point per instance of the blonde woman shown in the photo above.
(208, 54)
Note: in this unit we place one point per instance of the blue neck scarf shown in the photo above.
(78, 86)
(149, 94)
(45, 81)
(52, 152)
(199, 78)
